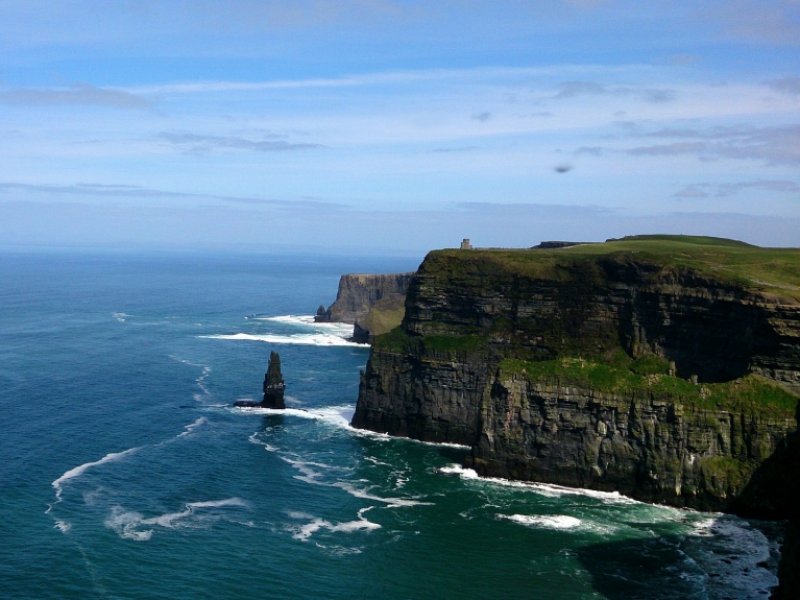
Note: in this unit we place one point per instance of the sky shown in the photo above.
(395, 126)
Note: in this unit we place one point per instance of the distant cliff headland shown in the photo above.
(374, 304)
(663, 367)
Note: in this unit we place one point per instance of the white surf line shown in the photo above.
(304, 532)
(310, 332)
(191, 427)
(308, 322)
(546, 489)
(200, 380)
(299, 339)
(127, 523)
(544, 521)
(340, 416)
(58, 484)
(167, 519)
(311, 476)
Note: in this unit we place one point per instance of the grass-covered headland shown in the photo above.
(769, 273)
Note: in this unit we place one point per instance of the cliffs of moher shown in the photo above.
(663, 367)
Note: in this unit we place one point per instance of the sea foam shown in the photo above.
(304, 532)
(302, 339)
(310, 333)
(192, 427)
(544, 489)
(544, 521)
(733, 557)
(133, 525)
(58, 484)
(307, 322)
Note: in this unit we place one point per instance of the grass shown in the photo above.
(395, 340)
(726, 470)
(775, 271)
(399, 341)
(383, 317)
(648, 376)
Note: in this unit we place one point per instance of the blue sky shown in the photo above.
(396, 126)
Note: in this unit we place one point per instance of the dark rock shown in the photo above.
(323, 315)
(550, 245)
(274, 385)
(247, 404)
(361, 335)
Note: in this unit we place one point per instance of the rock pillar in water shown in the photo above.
(274, 385)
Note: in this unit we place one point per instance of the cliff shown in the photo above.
(373, 303)
(667, 368)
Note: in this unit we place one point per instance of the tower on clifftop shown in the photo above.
(465, 244)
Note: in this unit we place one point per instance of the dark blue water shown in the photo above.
(126, 473)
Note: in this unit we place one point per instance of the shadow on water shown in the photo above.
(661, 568)
(627, 569)
(630, 569)
(776, 485)
(272, 421)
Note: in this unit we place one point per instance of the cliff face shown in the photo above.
(373, 303)
(619, 370)
(357, 294)
(651, 448)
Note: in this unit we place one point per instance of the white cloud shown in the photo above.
(193, 143)
(84, 94)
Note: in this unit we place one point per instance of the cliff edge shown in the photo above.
(374, 304)
(664, 367)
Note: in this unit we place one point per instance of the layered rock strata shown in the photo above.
(374, 304)
(486, 356)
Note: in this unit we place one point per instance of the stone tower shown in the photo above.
(274, 385)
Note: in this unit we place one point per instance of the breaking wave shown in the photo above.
(544, 489)
(302, 339)
(307, 322)
(310, 333)
(544, 521)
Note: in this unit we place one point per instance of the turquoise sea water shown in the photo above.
(126, 473)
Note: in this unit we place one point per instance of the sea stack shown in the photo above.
(274, 385)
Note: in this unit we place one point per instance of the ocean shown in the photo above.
(125, 471)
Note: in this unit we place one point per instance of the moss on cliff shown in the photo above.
(384, 316)
(724, 474)
(749, 394)
(398, 341)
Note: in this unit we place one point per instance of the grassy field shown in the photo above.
(773, 271)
